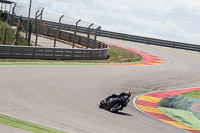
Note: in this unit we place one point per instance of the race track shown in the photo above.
(67, 97)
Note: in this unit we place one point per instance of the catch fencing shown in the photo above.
(97, 51)
(51, 30)
(65, 28)
(45, 23)
(126, 37)
(138, 39)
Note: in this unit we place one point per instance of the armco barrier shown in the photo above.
(29, 52)
(150, 41)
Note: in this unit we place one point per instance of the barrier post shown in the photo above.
(36, 26)
(59, 27)
(13, 11)
(17, 32)
(28, 19)
(95, 36)
(76, 28)
(4, 42)
(29, 33)
(88, 38)
(55, 39)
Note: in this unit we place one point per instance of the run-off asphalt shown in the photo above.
(67, 97)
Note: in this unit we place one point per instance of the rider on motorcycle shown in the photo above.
(118, 97)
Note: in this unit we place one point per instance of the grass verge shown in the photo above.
(185, 117)
(192, 94)
(10, 121)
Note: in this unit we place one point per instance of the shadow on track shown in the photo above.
(122, 113)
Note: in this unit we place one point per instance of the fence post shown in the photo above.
(13, 11)
(27, 29)
(29, 33)
(9, 15)
(55, 39)
(36, 26)
(41, 15)
(18, 29)
(88, 38)
(17, 35)
(4, 42)
(36, 29)
(59, 27)
(95, 36)
(74, 38)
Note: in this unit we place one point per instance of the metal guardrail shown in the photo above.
(150, 41)
(28, 52)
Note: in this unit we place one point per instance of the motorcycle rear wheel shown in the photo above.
(116, 108)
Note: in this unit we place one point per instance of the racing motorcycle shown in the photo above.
(114, 104)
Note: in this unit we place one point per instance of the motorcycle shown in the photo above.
(114, 104)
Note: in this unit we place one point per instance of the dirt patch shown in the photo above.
(196, 108)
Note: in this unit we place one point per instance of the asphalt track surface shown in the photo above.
(67, 97)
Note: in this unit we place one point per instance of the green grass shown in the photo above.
(120, 55)
(116, 56)
(10, 121)
(192, 94)
(10, 38)
(185, 117)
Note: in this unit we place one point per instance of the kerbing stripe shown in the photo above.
(148, 103)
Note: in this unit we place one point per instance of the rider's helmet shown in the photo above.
(128, 93)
